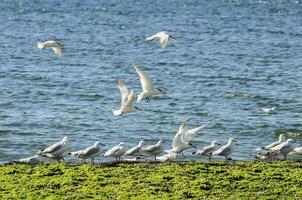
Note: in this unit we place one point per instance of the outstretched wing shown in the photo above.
(192, 132)
(145, 80)
(124, 91)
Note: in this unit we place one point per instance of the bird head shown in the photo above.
(65, 139)
(232, 140)
(141, 143)
(98, 143)
(282, 137)
(290, 141)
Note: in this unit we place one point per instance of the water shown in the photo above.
(230, 58)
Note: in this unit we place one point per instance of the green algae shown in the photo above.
(217, 180)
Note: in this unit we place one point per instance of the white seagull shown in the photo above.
(56, 150)
(90, 152)
(135, 151)
(268, 110)
(155, 149)
(148, 88)
(167, 157)
(226, 150)
(284, 148)
(208, 150)
(281, 140)
(179, 144)
(162, 36)
(33, 160)
(117, 152)
(128, 99)
(56, 46)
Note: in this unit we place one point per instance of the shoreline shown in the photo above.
(153, 180)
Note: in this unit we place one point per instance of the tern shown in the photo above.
(162, 36)
(148, 88)
(56, 46)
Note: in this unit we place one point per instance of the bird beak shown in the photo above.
(172, 37)
(102, 144)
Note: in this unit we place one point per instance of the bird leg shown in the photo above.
(92, 160)
(147, 99)
(210, 157)
(154, 157)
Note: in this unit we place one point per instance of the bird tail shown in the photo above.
(117, 112)
(40, 45)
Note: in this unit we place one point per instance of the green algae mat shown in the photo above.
(217, 180)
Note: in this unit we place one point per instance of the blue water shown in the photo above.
(230, 58)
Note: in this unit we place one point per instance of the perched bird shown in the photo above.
(281, 139)
(192, 132)
(208, 150)
(226, 150)
(298, 150)
(265, 155)
(135, 151)
(284, 148)
(90, 152)
(128, 99)
(56, 46)
(179, 144)
(167, 157)
(33, 160)
(268, 110)
(155, 149)
(162, 36)
(56, 150)
(117, 152)
(148, 88)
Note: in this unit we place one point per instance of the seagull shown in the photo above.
(117, 152)
(226, 150)
(148, 88)
(281, 139)
(155, 149)
(208, 150)
(135, 151)
(56, 150)
(90, 152)
(192, 132)
(284, 148)
(162, 36)
(167, 157)
(33, 160)
(268, 110)
(179, 144)
(298, 150)
(128, 99)
(56, 46)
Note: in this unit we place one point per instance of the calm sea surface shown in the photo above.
(230, 58)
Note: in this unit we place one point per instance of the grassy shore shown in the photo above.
(217, 180)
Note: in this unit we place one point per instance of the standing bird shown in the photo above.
(268, 110)
(155, 149)
(148, 88)
(226, 150)
(128, 99)
(179, 144)
(56, 46)
(117, 152)
(90, 152)
(281, 140)
(283, 148)
(56, 150)
(135, 151)
(208, 150)
(162, 36)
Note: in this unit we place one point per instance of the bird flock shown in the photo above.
(181, 141)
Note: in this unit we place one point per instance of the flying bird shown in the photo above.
(192, 132)
(268, 110)
(148, 88)
(128, 99)
(56, 150)
(56, 46)
(162, 36)
(117, 152)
